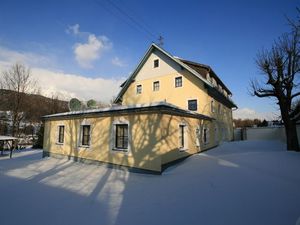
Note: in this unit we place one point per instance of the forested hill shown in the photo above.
(35, 106)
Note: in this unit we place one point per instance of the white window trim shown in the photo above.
(57, 134)
(207, 135)
(158, 85)
(80, 146)
(181, 81)
(219, 108)
(185, 137)
(113, 148)
(187, 104)
(212, 106)
(154, 63)
(198, 136)
(136, 88)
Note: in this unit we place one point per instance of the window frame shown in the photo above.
(61, 135)
(114, 146)
(181, 82)
(154, 86)
(82, 135)
(206, 137)
(139, 91)
(182, 137)
(188, 105)
(155, 63)
(212, 106)
(121, 138)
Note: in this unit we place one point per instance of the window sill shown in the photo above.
(120, 149)
(58, 143)
(182, 149)
(84, 146)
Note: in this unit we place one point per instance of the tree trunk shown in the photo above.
(291, 136)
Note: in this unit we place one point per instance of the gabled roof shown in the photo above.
(153, 46)
(192, 67)
(197, 66)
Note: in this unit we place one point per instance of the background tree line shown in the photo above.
(19, 96)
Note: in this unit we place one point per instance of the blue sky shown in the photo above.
(93, 39)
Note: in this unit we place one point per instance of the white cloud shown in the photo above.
(91, 49)
(87, 53)
(59, 83)
(118, 62)
(247, 113)
(72, 85)
(8, 57)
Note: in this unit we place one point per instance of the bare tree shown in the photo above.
(280, 67)
(19, 80)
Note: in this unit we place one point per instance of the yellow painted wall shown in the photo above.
(193, 88)
(154, 139)
(144, 131)
(170, 142)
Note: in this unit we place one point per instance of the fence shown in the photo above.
(262, 133)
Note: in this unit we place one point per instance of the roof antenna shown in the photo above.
(160, 41)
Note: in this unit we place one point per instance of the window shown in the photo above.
(192, 105)
(156, 86)
(182, 137)
(178, 82)
(121, 140)
(86, 136)
(219, 108)
(139, 89)
(205, 135)
(61, 131)
(156, 63)
(212, 107)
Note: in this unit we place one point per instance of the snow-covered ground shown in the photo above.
(251, 182)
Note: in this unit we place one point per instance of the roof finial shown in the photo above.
(160, 41)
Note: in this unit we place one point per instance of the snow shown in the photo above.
(7, 138)
(249, 182)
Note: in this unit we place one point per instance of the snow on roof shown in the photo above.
(115, 108)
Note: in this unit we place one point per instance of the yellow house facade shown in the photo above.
(168, 109)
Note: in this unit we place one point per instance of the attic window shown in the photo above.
(178, 81)
(156, 63)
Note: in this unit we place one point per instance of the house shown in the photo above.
(169, 108)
